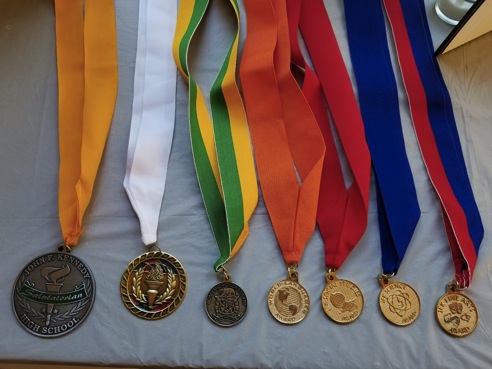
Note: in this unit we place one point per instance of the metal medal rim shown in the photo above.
(19, 279)
(395, 323)
(300, 287)
(125, 293)
(241, 292)
(361, 297)
(439, 321)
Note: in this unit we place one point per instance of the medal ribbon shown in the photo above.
(436, 133)
(152, 123)
(288, 146)
(398, 208)
(87, 88)
(220, 143)
(342, 213)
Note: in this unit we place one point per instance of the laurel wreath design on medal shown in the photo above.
(153, 285)
(167, 295)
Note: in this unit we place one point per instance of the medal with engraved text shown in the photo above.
(226, 303)
(153, 285)
(342, 300)
(288, 301)
(399, 303)
(53, 294)
(456, 313)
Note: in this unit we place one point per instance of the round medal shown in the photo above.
(288, 302)
(456, 314)
(399, 303)
(342, 300)
(226, 304)
(153, 285)
(53, 294)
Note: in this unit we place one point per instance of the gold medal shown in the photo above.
(456, 313)
(288, 301)
(153, 285)
(342, 300)
(399, 302)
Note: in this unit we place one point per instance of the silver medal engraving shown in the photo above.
(53, 294)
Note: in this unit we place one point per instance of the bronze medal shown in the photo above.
(153, 285)
(226, 304)
(342, 300)
(53, 294)
(399, 302)
(456, 313)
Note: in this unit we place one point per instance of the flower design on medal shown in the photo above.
(288, 301)
(399, 302)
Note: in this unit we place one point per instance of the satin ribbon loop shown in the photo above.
(288, 145)
(87, 87)
(398, 208)
(436, 133)
(342, 213)
(220, 142)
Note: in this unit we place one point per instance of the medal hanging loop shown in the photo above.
(292, 272)
(87, 86)
(221, 143)
(226, 275)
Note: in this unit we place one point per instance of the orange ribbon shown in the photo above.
(87, 88)
(288, 145)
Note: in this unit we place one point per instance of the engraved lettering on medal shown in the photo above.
(457, 314)
(53, 294)
(288, 302)
(399, 303)
(342, 301)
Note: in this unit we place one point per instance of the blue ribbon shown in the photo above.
(398, 208)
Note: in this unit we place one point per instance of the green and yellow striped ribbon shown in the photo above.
(221, 143)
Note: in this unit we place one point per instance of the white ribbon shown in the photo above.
(152, 123)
